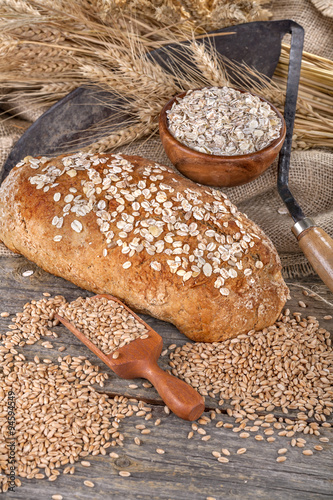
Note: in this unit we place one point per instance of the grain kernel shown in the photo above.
(89, 484)
(193, 363)
(124, 473)
(107, 336)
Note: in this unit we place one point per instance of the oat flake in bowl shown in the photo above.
(223, 121)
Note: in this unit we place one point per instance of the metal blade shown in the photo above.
(295, 60)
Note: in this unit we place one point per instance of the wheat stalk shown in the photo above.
(209, 66)
(311, 128)
(316, 82)
(19, 6)
(49, 48)
(35, 33)
(118, 138)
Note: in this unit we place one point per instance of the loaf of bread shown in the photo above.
(166, 246)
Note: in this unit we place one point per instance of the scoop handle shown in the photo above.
(318, 248)
(181, 398)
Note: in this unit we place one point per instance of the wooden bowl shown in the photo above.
(215, 170)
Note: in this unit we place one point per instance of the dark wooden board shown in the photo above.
(187, 470)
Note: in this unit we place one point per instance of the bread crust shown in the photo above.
(174, 276)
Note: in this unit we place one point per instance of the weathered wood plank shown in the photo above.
(187, 470)
(16, 290)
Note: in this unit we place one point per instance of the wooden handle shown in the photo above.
(318, 248)
(181, 398)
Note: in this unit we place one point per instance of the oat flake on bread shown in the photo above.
(166, 246)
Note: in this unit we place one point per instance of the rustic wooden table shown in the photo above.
(187, 470)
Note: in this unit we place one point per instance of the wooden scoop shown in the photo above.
(139, 359)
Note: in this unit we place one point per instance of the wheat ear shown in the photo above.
(119, 138)
(208, 64)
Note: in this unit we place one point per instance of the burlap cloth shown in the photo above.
(311, 172)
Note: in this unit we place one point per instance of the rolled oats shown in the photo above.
(223, 121)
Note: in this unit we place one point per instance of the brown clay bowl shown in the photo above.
(215, 170)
